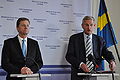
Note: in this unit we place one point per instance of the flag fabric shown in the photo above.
(104, 25)
(104, 28)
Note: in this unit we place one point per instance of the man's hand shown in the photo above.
(112, 65)
(84, 67)
(26, 70)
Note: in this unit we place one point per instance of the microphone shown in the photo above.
(91, 58)
(33, 61)
(36, 64)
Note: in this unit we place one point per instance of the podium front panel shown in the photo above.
(95, 76)
(27, 76)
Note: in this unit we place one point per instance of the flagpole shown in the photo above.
(112, 34)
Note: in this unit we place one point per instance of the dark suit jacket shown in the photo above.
(13, 59)
(76, 52)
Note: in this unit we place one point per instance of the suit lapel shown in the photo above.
(82, 45)
(94, 41)
(82, 42)
(28, 47)
(18, 47)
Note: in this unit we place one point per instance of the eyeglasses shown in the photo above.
(88, 24)
(23, 25)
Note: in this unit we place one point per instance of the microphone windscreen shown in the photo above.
(90, 57)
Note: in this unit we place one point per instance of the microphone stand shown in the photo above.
(36, 65)
(113, 75)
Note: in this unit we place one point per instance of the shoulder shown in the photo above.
(98, 37)
(11, 39)
(32, 40)
(76, 35)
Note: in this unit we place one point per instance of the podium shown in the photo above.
(98, 76)
(27, 76)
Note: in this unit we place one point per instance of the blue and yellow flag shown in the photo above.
(104, 28)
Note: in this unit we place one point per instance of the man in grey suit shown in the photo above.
(76, 53)
(13, 60)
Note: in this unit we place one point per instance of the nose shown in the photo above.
(89, 26)
(26, 26)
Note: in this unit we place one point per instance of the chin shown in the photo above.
(25, 34)
(89, 33)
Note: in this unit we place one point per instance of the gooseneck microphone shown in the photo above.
(91, 58)
(36, 65)
(33, 61)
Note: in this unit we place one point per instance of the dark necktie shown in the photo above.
(24, 47)
(89, 51)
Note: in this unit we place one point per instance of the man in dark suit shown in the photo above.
(76, 53)
(13, 60)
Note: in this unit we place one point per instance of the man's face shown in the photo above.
(88, 26)
(23, 27)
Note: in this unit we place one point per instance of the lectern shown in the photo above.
(98, 76)
(27, 76)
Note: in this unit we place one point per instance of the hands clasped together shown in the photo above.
(26, 70)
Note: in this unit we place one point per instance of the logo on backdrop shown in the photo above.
(25, 10)
(11, 18)
(53, 29)
(55, 46)
(1, 6)
(40, 2)
(66, 5)
(65, 21)
(53, 12)
(40, 20)
(41, 38)
(10, 0)
(0, 26)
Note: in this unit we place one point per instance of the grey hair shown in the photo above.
(88, 18)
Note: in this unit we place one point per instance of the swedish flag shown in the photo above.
(104, 28)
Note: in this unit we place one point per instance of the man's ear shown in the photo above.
(82, 25)
(17, 28)
(94, 25)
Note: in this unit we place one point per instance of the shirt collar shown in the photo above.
(85, 35)
(22, 38)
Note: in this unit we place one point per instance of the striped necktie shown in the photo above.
(89, 64)
(24, 47)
